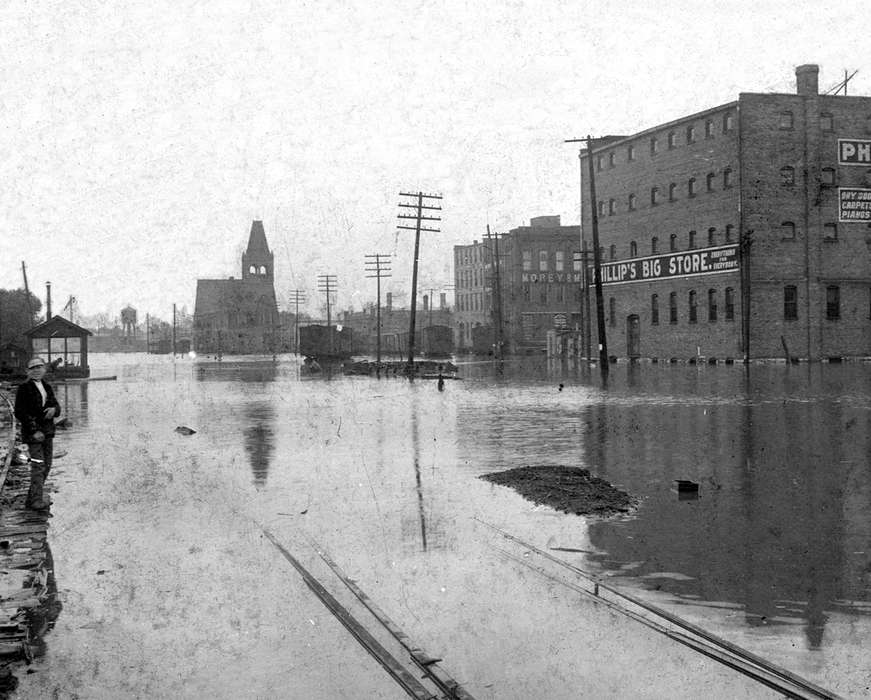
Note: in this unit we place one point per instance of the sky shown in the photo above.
(139, 141)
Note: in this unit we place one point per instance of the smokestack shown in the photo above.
(807, 79)
(443, 301)
(425, 302)
(389, 301)
(48, 301)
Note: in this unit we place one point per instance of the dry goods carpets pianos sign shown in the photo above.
(705, 261)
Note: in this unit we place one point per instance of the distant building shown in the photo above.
(240, 316)
(473, 267)
(540, 273)
(741, 230)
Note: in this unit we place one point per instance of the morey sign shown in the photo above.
(854, 152)
(705, 261)
(854, 204)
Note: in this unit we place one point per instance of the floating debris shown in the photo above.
(184, 430)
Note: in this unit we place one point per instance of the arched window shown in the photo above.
(787, 231)
(693, 307)
(672, 139)
(709, 181)
(787, 176)
(654, 309)
(730, 304)
(730, 233)
(691, 134)
(672, 192)
(262, 269)
(654, 245)
(601, 207)
(612, 159)
(654, 196)
(691, 187)
(613, 252)
(692, 240)
(712, 236)
(672, 307)
(252, 270)
(727, 178)
(728, 122)
(633, 249)
(709, 129)
(653, 146)
(612, 207)
(672, 242)
(712, 304)
(632, 201)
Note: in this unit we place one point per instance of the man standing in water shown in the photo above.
(36, 408)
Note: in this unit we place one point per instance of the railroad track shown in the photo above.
(417, 672)
(659, 620)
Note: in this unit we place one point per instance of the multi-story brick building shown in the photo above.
(783, 178)
(473, 265)
(540, 275)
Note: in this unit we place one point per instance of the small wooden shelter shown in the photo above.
(63, 344)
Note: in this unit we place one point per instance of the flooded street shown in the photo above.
(170, 587)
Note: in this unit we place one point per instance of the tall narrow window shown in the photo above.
(827, 122)
(654, 245)
(654, 196)
(577, 261)
(630, 153)
(730, 233)
(709, 181)
(728, 122)
(693, 308)
(833, 302)
(601, 207)
(691, 187)
(672, 307)
(790, 303)
(633, 249)
(612, 252)
(654, 309)
(612, 311)
(709, 128)
(691, 134)
(560, 261)
(712, 236)
(672, 139)
(612, 207)
(692, 240)
(712, 304)
(672, 192)
(830, 232)
(730, 304)
(672, 242)
(612, 159)
(787, 231)
(827, 176)
(527, 260)
(543, 293)
(727, 178)
(785, 120)
(599, 161)
(542, 261)
(787, 176)
(653, 146)
(632, 202)
(560, 293)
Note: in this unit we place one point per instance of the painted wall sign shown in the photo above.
(854, 204)
(854, 152)
(704, 261)
(552, 277)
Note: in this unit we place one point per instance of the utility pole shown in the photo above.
(173, 331)
(297, 296)
(585, 283)
(147, 334)
(418, 217)
(497, 296)
(327, 285)
(597, 265)
(379, 264)
(27, 294)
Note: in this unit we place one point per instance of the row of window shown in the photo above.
(787, 231)
(559, 261)
(690, 135)
(478, 301)
(657, 194)
(550, 293)
(785, 120)
(692, 241)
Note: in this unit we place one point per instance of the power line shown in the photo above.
(327, 285)
(379, 264)
(297, 297)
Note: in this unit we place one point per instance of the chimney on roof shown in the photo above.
(48, 301)
(807, 79)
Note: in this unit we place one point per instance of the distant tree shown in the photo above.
(15, 315)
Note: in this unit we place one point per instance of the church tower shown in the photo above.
(257, 260)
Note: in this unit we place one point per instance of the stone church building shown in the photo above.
(240, 316)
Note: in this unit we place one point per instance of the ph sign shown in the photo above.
(854, 152)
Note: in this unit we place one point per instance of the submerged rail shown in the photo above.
(448, 688)
(698, 639)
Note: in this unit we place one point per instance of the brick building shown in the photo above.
(238, 316)
(784, 179)
(540, 275)
(473, 266)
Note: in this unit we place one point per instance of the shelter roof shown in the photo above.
(58, 327)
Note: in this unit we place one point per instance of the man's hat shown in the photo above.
(36, 362)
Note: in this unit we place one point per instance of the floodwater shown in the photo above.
(170, 589)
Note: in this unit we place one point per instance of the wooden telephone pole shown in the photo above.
(379, 264)
(418, 217)
(297, 296)
(497, 296)
(327, 285)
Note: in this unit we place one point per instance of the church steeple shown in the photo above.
(257, 260)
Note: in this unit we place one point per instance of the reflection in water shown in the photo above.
(415, 446)
(236, 370)
(770, 529)
(260, 438)
(73, 399)
(41, 618)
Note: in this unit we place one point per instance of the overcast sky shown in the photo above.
(139, 141)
